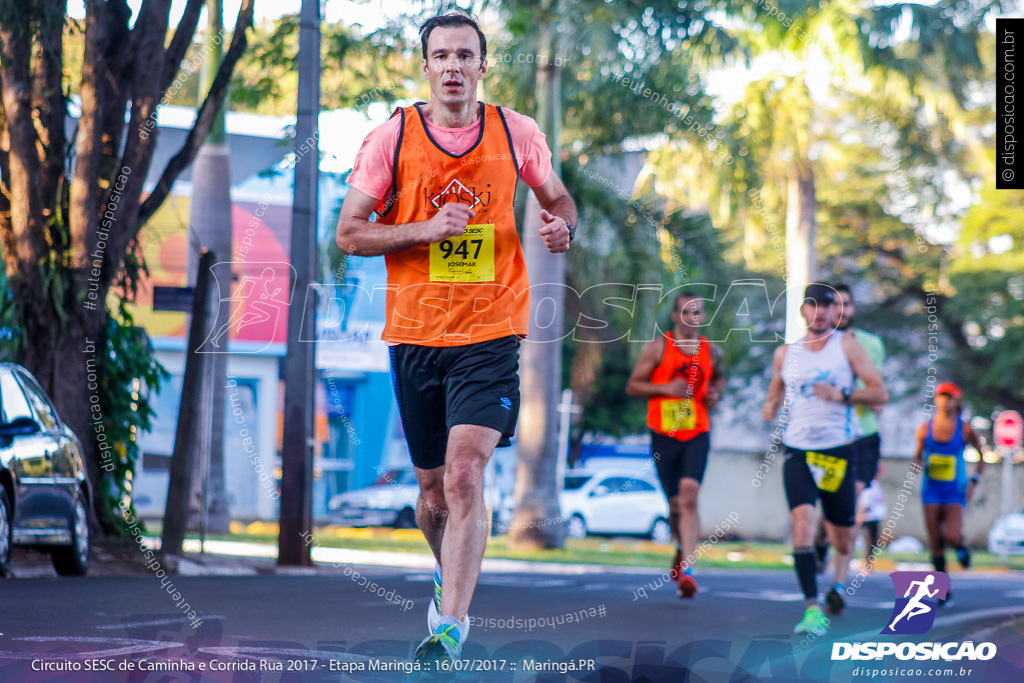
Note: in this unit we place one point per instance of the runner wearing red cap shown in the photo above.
(946, 489)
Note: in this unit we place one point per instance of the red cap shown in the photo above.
(948, 388)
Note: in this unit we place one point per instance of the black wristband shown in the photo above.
(572, 230)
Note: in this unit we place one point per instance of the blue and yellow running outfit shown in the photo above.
(946, 472)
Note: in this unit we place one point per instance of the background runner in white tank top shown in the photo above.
(814, 422)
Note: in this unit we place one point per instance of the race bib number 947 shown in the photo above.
(468, 257)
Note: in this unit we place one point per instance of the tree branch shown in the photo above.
(23, 244)
(85, 189)
(179, 43)
(204, 119)
(48, 96)
(5, 164)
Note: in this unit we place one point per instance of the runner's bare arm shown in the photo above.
(873, 392)
(639, 383)
(357, 235)
(971, 437)
(717, 385)
(922, 432)
(557, 209)
(776, 388)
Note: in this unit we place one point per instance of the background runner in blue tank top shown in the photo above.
(946, 489)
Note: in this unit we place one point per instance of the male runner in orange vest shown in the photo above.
(682, 376)
(440, 176)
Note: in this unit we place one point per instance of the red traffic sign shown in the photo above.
(1009, 429)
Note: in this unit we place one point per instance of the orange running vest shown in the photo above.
(469, 288)
(681, 418)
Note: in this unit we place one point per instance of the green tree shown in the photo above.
(357, 69)
(71, 210)
(914, 59)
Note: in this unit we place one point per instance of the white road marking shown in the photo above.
(156, 622)
(768, 594)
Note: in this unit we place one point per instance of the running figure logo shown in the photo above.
(914, 613)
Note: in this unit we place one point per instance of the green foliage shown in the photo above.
(129, 373)
(357, 70)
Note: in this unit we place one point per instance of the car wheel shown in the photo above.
(73, 560)
(6, 525)
(577, 528)
(406, 519)
(661, 532)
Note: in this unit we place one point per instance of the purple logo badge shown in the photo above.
(917, 596)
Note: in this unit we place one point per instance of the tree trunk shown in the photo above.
(537, 487)
(66, 234)
(801, 250)
(211, 220)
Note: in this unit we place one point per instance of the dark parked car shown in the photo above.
(44, 492)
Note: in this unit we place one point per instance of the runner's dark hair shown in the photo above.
(686, 294)
(451, 20)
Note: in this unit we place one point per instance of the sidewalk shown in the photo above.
(246, 558)
(260, 558)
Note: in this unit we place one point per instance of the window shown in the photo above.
(572, 483)
(45, 411)
(12, 398)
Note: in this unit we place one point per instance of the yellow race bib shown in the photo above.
(466, 258)
(941, 467)
(828, 470)
(678, 415)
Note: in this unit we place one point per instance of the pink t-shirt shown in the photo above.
(371, 173)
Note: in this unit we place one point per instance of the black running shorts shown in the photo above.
(677, 459)
(869, 450)
(438, 387)
(827, 474)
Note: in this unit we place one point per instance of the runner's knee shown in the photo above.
(463, 480)
(687, 499)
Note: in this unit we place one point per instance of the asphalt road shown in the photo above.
(342, 625)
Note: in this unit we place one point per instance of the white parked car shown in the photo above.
(390, 502)
(1007, 535)
(614, 502)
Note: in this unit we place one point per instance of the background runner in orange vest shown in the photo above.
(682, 376)
(440, 178)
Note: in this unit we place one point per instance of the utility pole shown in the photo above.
(210, 219)
(297, 446)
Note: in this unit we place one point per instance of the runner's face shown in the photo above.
(453, 65)
(946, 402)
(820, 316)
(844, 311)
(690, 312)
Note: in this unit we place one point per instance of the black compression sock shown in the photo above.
(803, 562)
(820, 551)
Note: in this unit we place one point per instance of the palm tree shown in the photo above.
(906, 56)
